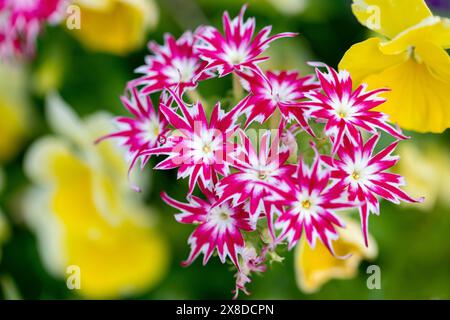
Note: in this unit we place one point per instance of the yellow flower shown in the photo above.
(14, 117)
(84, 212)
(115, 26)
(315, 267)
(426, 168)
(413, 62)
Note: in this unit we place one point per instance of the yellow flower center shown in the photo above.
(206, 148)
(355, 175)
(224, 216)
(306, 204)
(262, 175)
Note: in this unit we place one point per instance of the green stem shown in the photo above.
(195, 96)
(238, 91)
(9, 288)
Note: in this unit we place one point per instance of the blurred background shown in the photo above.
(65, 202)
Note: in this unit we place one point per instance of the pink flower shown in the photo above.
(281, 90)
(236, 49)
(145, 129)
(199, 149)
(173, 65)
(258, 176)
(363, 175)
(311, 207)
(22, 22)
(345, 110)
(218, 227)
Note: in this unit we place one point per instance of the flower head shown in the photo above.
(174, 65)
(345, 110)
(237, 49)
(259, 174)
(197, 147)
(363, 175)
(219, 227)
(145, 129)
(282, 90)
(412, 62)
(311, 207)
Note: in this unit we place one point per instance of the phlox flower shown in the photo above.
(282, 90)
(345, 110)
(22, 21)
(363, 175)
(258, 175)
(173, 65)
(199, 148)
(145, 129)
(219, 227)
(237, 49)
(311, 207)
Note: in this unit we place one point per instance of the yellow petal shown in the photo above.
(119, 261)
(365, 58)
(435, 58)
(115, 26)
(14, 110)
(315, 267)
(390, 17)
(426, 171)
(418, 100)
(434, 30)
(13, 129)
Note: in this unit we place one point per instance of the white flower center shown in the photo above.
(281, 92)
(235, 56)
(343, 110)
(307, 204)
(151, 130)
(181, 70)
(204, 146)
(221, 217)
(358, 172)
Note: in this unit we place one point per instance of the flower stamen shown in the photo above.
(306, 204)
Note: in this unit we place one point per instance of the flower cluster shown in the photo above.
(21, 21)
(247, 195)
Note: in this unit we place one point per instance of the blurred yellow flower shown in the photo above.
(14, 109)
(315, 267)
(413, 63)
(115, 26)
(289, 7)
(84, 212)
(426, 168)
